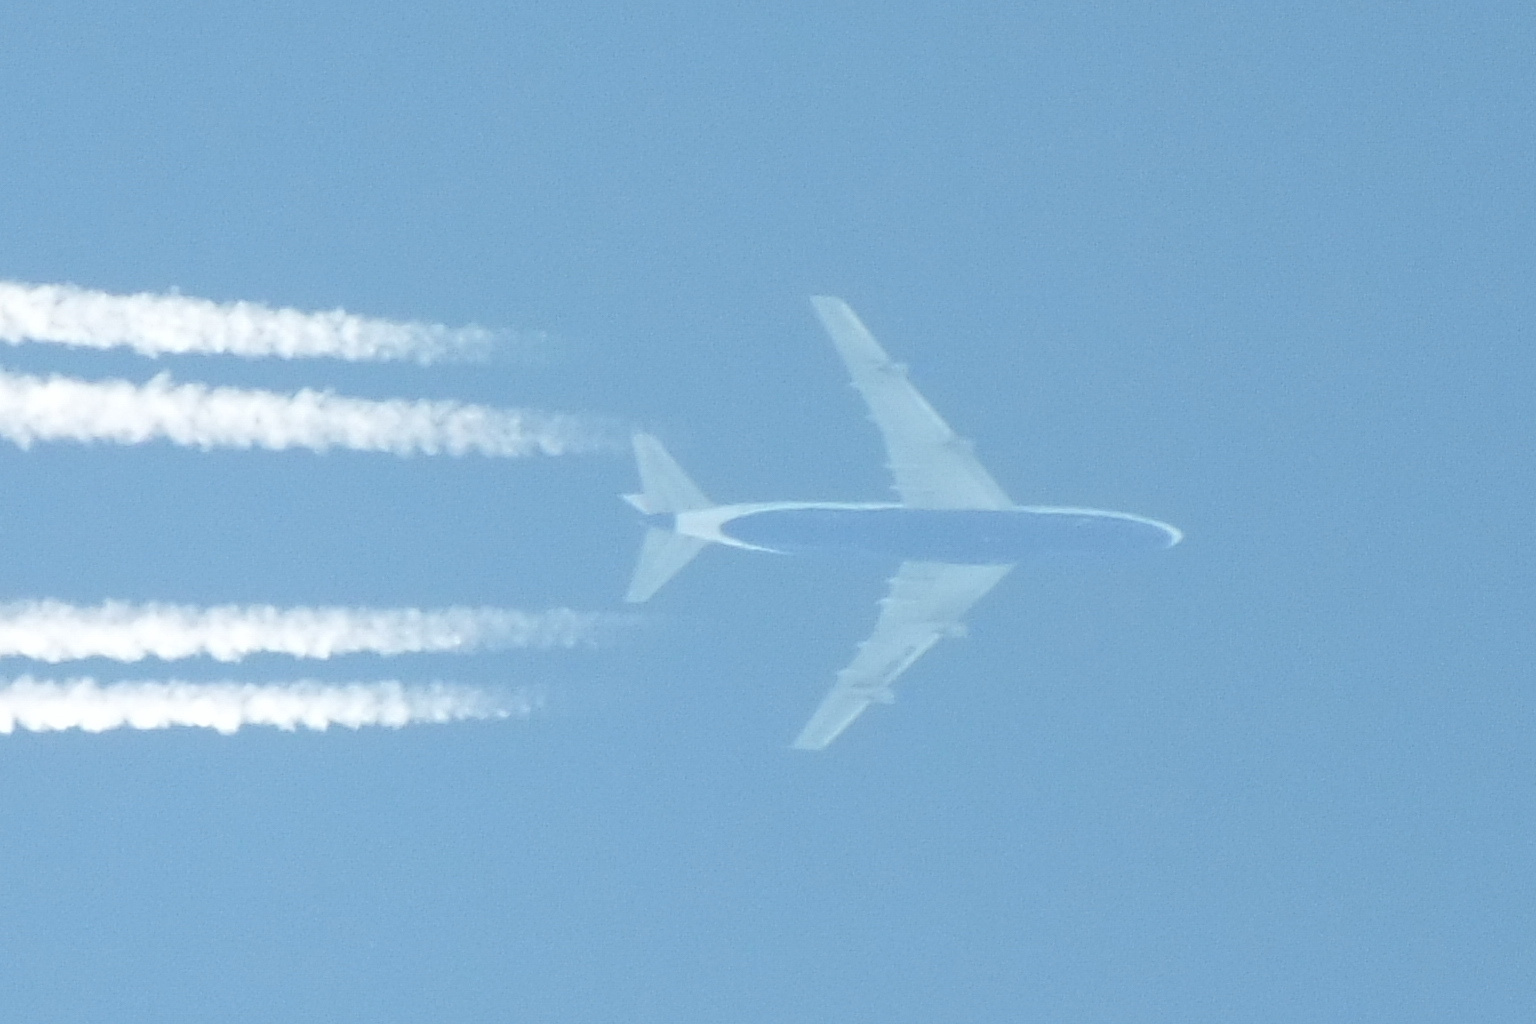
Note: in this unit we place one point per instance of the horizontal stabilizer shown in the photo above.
(662, 555)
(663, 484)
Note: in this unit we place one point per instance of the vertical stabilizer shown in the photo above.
(664, 490)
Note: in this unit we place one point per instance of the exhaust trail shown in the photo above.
(52, 631)
(55, 408)
(42, 705)
(155, 325)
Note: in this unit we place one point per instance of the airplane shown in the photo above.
(955, 531)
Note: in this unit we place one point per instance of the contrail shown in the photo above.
(56, 408)
(154, 325)
(53, 631)
(42, 705)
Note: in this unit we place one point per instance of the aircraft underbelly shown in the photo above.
(981, 537)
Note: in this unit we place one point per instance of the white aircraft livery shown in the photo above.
(955, 531)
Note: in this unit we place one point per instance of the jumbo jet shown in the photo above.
(955, 531)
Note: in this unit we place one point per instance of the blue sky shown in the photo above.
(1264, 274)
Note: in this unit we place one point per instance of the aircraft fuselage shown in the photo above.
(960, 536)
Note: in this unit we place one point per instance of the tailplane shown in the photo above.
(662, 556)
(665, 490)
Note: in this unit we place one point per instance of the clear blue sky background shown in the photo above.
(1263, 271)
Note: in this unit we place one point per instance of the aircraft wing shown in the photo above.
(934, 467)
(925, 604)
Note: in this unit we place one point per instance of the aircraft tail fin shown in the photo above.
(664, 490)
(662, 556)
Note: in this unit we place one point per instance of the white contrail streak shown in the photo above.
(154, 325)
(53, 631)
(42, 705)
(34, 409)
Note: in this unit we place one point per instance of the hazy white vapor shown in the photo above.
(170, 324)
(53, 631)
(34, 409)
(41, 705)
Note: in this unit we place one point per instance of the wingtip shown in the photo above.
(827, 303)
